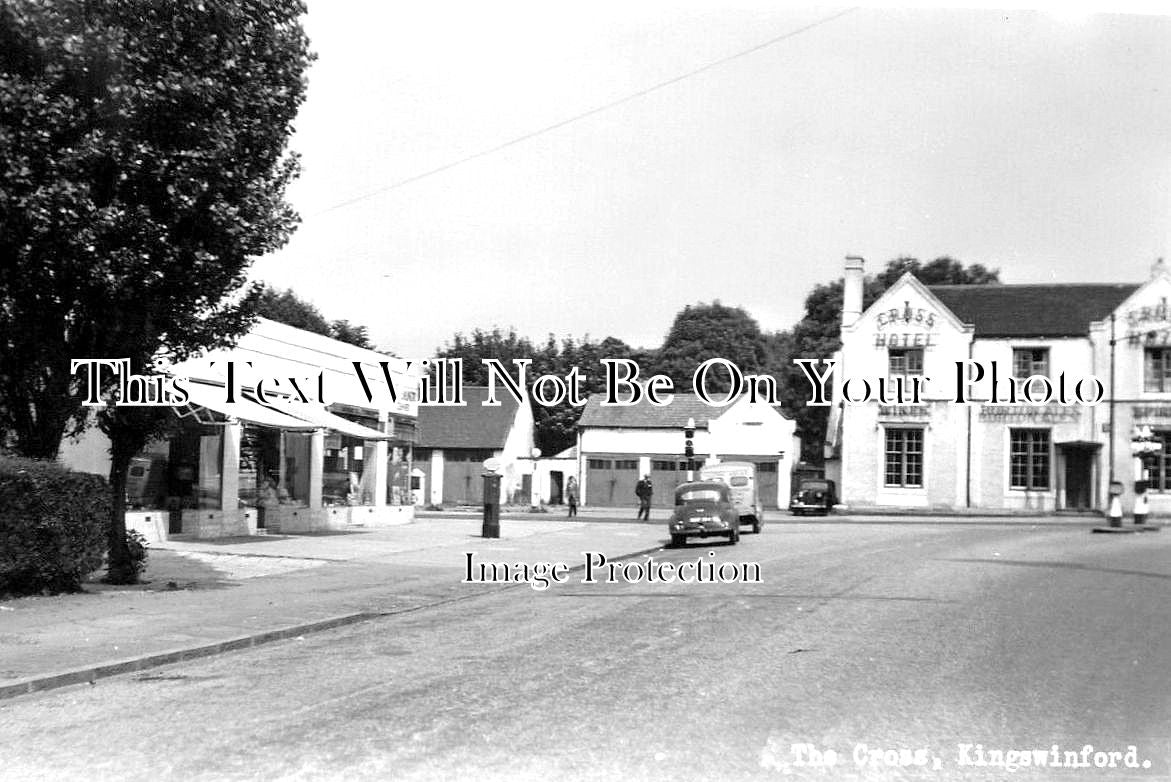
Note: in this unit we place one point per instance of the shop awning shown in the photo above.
(203, 398)
(322, 417)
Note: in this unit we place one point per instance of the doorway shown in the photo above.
(1079, 477)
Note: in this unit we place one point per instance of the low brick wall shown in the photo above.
(205, 523)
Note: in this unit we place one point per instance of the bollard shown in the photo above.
(1115, 512)
(1141, 507)
(491, 525)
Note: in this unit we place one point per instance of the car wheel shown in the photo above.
(677, 541)
(734, 535)
(756, 528)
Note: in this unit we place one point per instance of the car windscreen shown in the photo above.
(697, 495)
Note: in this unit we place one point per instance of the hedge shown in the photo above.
(53, 526)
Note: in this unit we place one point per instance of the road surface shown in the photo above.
(866, 651)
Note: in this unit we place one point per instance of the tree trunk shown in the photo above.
(119, 568)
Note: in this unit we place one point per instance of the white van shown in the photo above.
(741, 479)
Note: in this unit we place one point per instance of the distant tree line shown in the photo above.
(699, 332)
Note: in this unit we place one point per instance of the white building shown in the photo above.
(617, 445)
(455, 441)
(1000, 454)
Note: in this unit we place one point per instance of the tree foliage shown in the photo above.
(555, 425)
(143, 155)
(704, 331)
(289, 308)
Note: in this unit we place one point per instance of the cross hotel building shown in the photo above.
(1005, 456)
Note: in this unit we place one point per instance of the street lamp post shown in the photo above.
(689, 447)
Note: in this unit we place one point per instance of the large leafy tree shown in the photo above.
(144, 164)
(704, 331)
(817, 334)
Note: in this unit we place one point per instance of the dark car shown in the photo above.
(814, 495)
(703, 509)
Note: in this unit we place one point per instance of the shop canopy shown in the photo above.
(205, 402)
(323, 418)
(206, 399)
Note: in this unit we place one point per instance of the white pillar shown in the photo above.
(581, 473)
(230, 467)
(375, 452)
(436, 487)
(316, 466)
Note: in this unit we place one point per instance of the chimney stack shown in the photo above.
(852, 294)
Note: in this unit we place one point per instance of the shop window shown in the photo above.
(1157, 369)
(905, 361)
(1029, 459)
(147, 478)
(904, 458)
(400, 485)
(1160, 472)
(346, 479)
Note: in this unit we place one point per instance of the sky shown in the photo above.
(578, 169)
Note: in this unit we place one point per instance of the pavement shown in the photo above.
(200, 598)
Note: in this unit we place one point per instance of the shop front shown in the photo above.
(278, 464)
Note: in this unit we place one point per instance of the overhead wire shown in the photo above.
(585, 114)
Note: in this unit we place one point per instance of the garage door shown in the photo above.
(666, 475)
(766, 484)
(463, 481)
(610, 482)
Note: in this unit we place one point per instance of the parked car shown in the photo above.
(814, 495)
(741, 479)
(703, 509)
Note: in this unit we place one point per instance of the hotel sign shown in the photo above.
(921, 319)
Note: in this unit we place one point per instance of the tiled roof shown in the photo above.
(470, 425)
(646, 416)
(1032, 310)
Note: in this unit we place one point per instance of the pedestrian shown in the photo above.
(643, 490)
(571, 495)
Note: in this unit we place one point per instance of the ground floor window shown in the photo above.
(1029, 459)
(904, 457)
(399, 484)
(1160, 471)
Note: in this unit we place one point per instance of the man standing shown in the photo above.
(643, 490)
